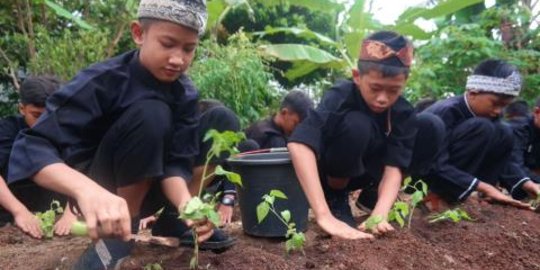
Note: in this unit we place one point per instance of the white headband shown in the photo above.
(510, 85)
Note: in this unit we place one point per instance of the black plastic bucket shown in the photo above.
(261, 173)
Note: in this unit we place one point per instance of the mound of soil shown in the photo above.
(499, 238)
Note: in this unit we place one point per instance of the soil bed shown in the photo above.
(499, 238)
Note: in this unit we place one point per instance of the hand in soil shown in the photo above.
(204, 229)
(379, 229)
(225, 213)
(63, 225)
(493, 195)
(340, 229)
(28, 223)
(108, 211)
(145, 222)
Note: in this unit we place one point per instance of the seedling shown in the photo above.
(295, 239)
(153, 266)
(456, 215)
(403, 210)
(373, 221)
(536, 202)
(205, 208)
(48, 218)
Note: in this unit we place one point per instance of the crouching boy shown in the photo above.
(118, 127)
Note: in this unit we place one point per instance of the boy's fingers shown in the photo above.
(91, 223)
(204, 236)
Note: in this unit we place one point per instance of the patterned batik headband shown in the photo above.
(377, 51)
(510, 85)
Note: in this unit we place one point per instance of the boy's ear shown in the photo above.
(21, 109)
(137, 32)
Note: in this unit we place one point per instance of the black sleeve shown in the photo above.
(516, 173)
(185, 142)
(309, 131)
(8, 132)
(69, 111)
(445, 171)
(401, 138)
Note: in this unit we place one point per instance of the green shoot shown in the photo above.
(295, 239)
(403, 211)
(536, 202)
(48, 218)
(79, 228)
(456, 215)
(205, 208)
(373, 221)
(153, 266)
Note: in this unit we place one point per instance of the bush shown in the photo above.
(236, 75)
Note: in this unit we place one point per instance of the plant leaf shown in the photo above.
(278, 194)
(262, 211)
(286, 215)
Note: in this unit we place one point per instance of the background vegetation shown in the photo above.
(282, 44)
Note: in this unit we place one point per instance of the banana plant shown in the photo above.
(354, 24)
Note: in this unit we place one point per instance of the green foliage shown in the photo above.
(373, 221)
(205, 208)
(236, 75)
(295, 239)
(153, 266)
(79, 228)
(65, 55)
(48, 218)
(456, 215)
(403, 210)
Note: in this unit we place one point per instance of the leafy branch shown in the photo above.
(295, 239)
(205, 208)
(404, 210)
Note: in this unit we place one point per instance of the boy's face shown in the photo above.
(379, 92)
(290, 120)
(486, 104)
(30, 113)
(166, 49)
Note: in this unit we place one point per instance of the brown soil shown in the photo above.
(499, 238)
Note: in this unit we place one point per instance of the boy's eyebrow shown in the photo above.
(172, 38)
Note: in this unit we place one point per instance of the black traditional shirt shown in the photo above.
(9, 128)
(320, 125)
(526, 152)
(80, 113)
(267, 134)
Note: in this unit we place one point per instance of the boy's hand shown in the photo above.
(225, 213)
(340, 229)
(63, 225)
(381, 228)
(203, 228)
(143, 223)
(28, 223)
(106, 210)
(494, 195)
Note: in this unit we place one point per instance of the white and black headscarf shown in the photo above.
(189, 13)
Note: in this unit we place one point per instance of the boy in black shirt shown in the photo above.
(477, 144)
(26, 196)
(274, 131)
(361, 135)
(121, 126)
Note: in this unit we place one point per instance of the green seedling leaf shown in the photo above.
(296, 242)
(213, 217)
(286, 215)
(406, 182)
(424, 187)
(373, 221)
(231, 176)
(399, 219)
(262, 211)
(416, 198)
(269, 199)
(48, 218)
(278, 194)
(193, 206)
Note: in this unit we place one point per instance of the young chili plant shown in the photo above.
(456, 215)
(48, 218)
(200, 208)
(373, 221)
(295, 239)
(403, 211)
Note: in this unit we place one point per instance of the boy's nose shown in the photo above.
(176, 60)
